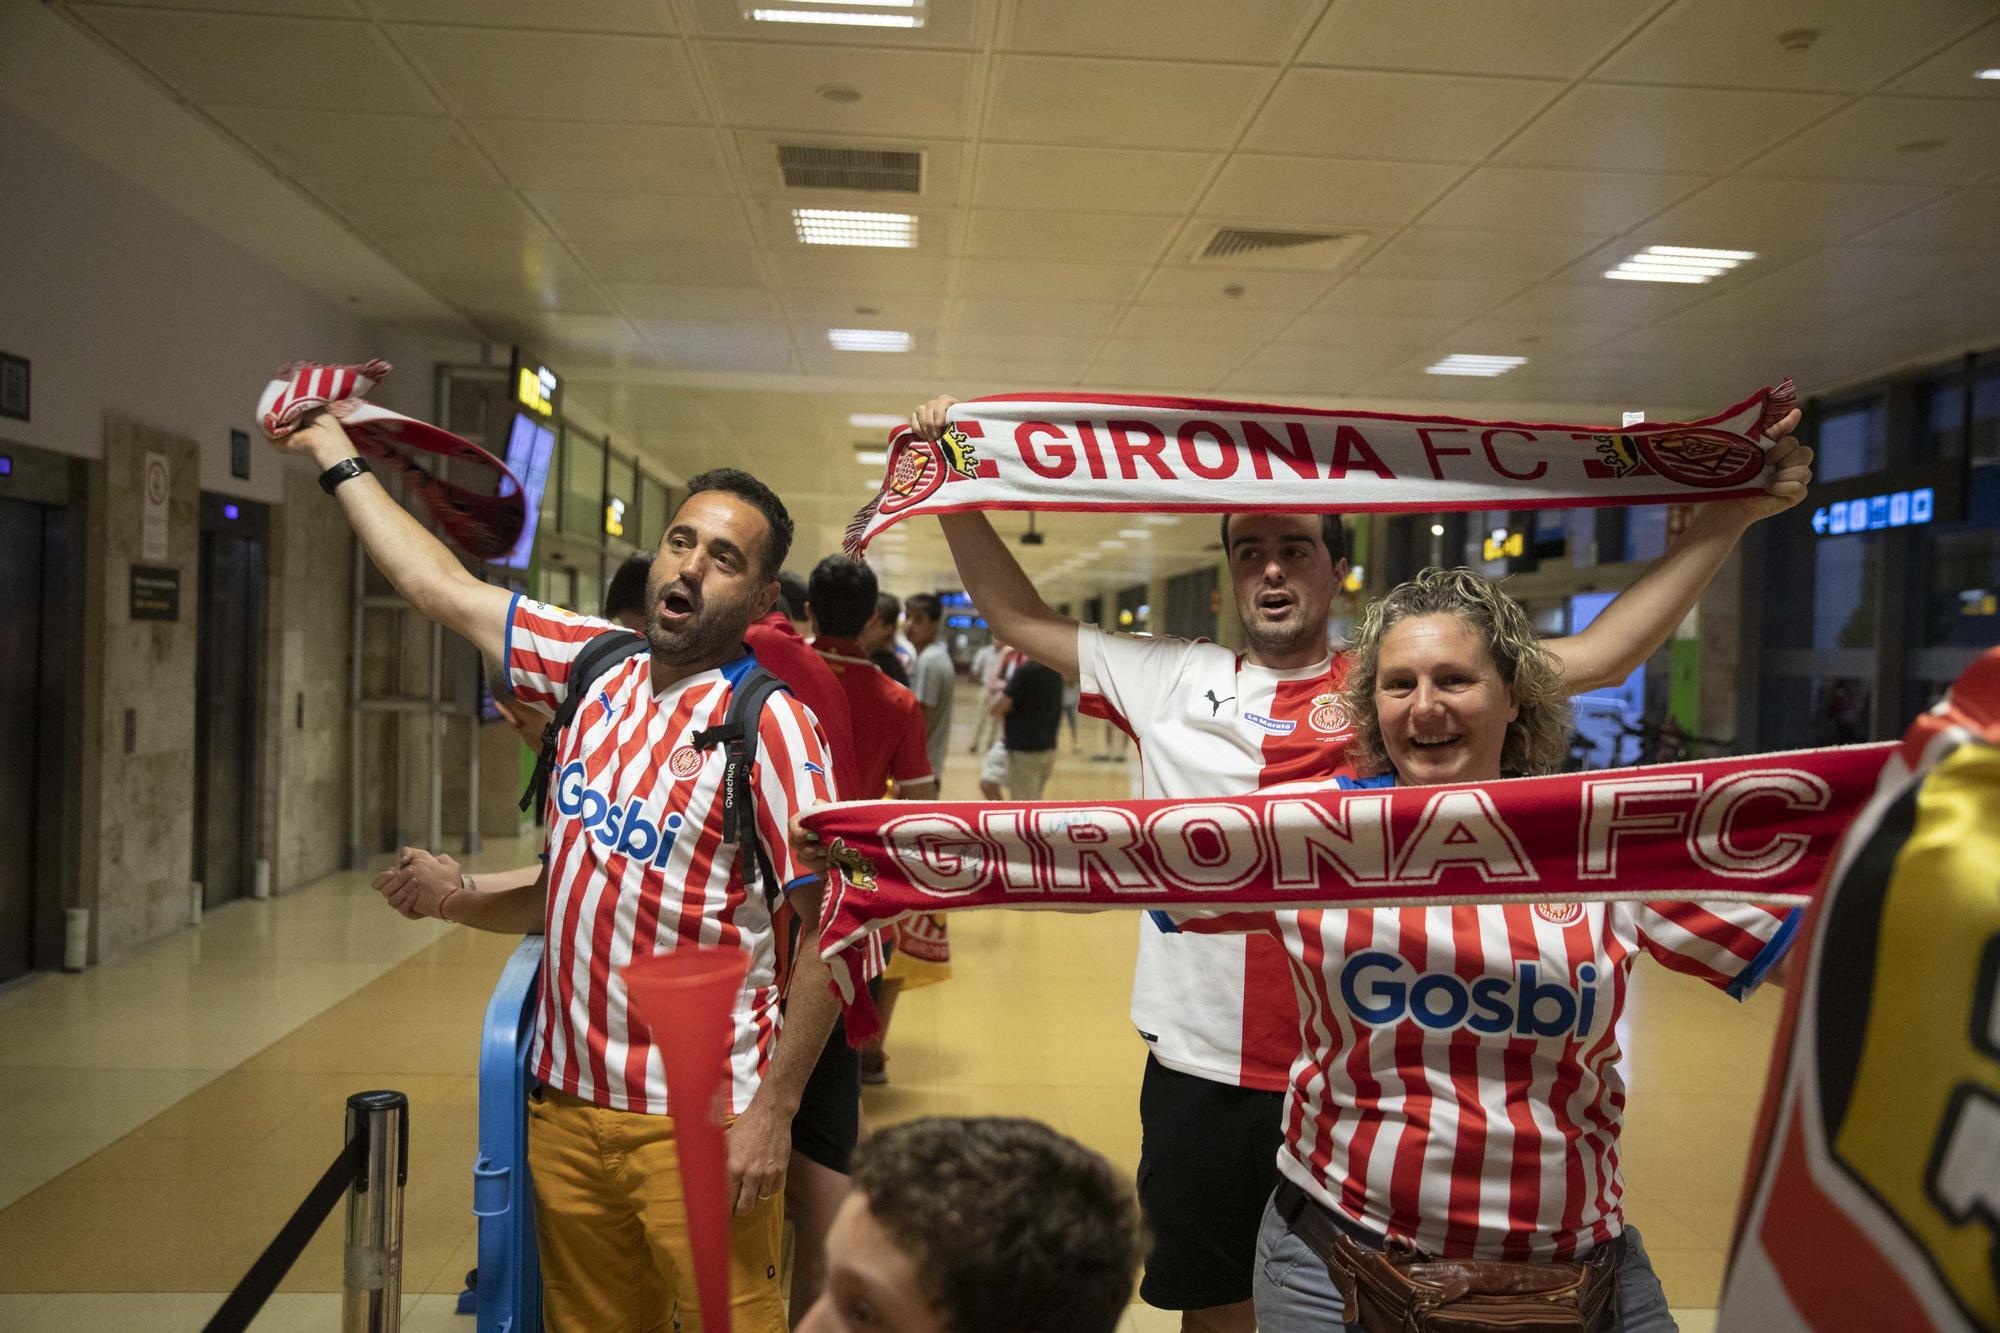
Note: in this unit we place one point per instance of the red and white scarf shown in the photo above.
(1112, 452)
(1756, 829)
(485, 521)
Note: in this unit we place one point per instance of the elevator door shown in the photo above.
(226, 700)
(20, 712)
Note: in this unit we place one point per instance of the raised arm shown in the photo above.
(1639, 619)
(420, 567)
(1000, 589)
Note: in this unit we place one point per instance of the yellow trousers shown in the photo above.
(613, 1233)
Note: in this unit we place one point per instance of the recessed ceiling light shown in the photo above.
(849, 17)
(868, 340)
(1135, 532)
(1993, 73)
(1470, 363)
(1112, 545)
(1437, 529)
(1678, 263)
(841, 226)
(876, 420)
(872, 457)
(1159, 520)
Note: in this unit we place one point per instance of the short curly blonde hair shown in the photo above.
(1537, 740)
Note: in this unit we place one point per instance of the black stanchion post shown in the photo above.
(373, 1285)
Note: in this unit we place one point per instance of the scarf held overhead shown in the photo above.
(1113, 452)
(1756, 829)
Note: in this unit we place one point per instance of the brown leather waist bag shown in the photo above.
(1403, 1290)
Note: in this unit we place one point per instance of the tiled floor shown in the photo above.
(160, 1117)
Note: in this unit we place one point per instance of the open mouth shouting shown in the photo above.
(678, 605)
(1274, 604)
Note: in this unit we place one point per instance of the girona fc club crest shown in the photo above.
(684, 762)
(858, 869)
(1560, 914)
(1329, 714)
(1697, 461)
(915, 473)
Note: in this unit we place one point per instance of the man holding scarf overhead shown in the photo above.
(1218, 1012)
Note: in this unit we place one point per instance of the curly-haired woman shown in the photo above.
(1457, 1089)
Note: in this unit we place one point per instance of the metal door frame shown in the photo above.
(56, 482)
(252, 521)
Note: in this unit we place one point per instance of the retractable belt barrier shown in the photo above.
(371, 1170)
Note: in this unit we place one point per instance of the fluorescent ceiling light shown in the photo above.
(1112, 545)
(843, 226)
(1135, 532)
(876, 420)
(1469, 363)
(1678, 263)
(874, 485)
(1993, 73)
(872, 457)
(1160, 520)
(868, 340)
(848, 17)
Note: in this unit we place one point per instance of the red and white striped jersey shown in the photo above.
(637, 863)
(1456, 1082)
(1209, 723)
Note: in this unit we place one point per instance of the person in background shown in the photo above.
(1030, 709)
(983, 663)
(993, 765)
(878, 638)
(625, 595)
(934, 678)
(978, 1225)
(792, 601)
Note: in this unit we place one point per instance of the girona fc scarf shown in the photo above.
(1756, 829)
(485, 521)
(1163, 455)
(1873, 1199)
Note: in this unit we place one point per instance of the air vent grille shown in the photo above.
(1230, 242)
(811, 167)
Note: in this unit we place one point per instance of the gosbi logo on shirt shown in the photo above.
(617, 828)
(1380, 989)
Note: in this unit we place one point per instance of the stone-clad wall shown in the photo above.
(138, 811)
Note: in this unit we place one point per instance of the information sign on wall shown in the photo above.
(156, 593)
(158, 483)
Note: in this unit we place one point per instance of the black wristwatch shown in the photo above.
(344, 470)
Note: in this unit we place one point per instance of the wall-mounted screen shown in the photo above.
(530, 442)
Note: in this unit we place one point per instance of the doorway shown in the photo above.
(22, 543)
(228, 695)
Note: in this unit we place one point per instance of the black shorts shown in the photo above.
(1208, 1162)
(828, 1123)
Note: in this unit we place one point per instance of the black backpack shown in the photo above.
(736, 733)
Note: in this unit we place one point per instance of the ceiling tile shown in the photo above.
(573, 340)
(1174, 29)
(669, 264)
(660, 300)
(1235, 322)
(1558, 38)
(1969, 219)
(351, 145)
(1831, 283)
(897, 310)
(1857, 43)
(557, 76)
(295, 8)
(1534, 339)
(1417, 298)
(1168, 356)
(1602, 301)
(499, 275)
(1340, 366)
(1877, 139)
(1037, 317)
(1121, 103)
(669, 160)
(1743, 212)
(1413, 385)
(1362, 113)
(1088, 237)
(982, 344)
(1326, 191)
(1045, 280)
(438, 210)
(834, 268)
(1620, 127)
(1113, 179)
(1556, 200)
(245, 60)
(635, 16)
(971, 376)
(1522, 255)
(644, 219)
(871, 365)
(1410, 331)
(919, 94)
(772, 360)
(1210, 285)
(1949, 72)
(673, 335)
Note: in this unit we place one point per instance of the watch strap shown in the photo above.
(345, 470)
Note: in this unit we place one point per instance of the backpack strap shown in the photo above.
(737, 734)
(604, 651)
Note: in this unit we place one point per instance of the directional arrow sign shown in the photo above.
(1819, 520)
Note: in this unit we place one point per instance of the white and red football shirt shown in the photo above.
(637, 863)
(1208, 723)
(1456, 1082)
